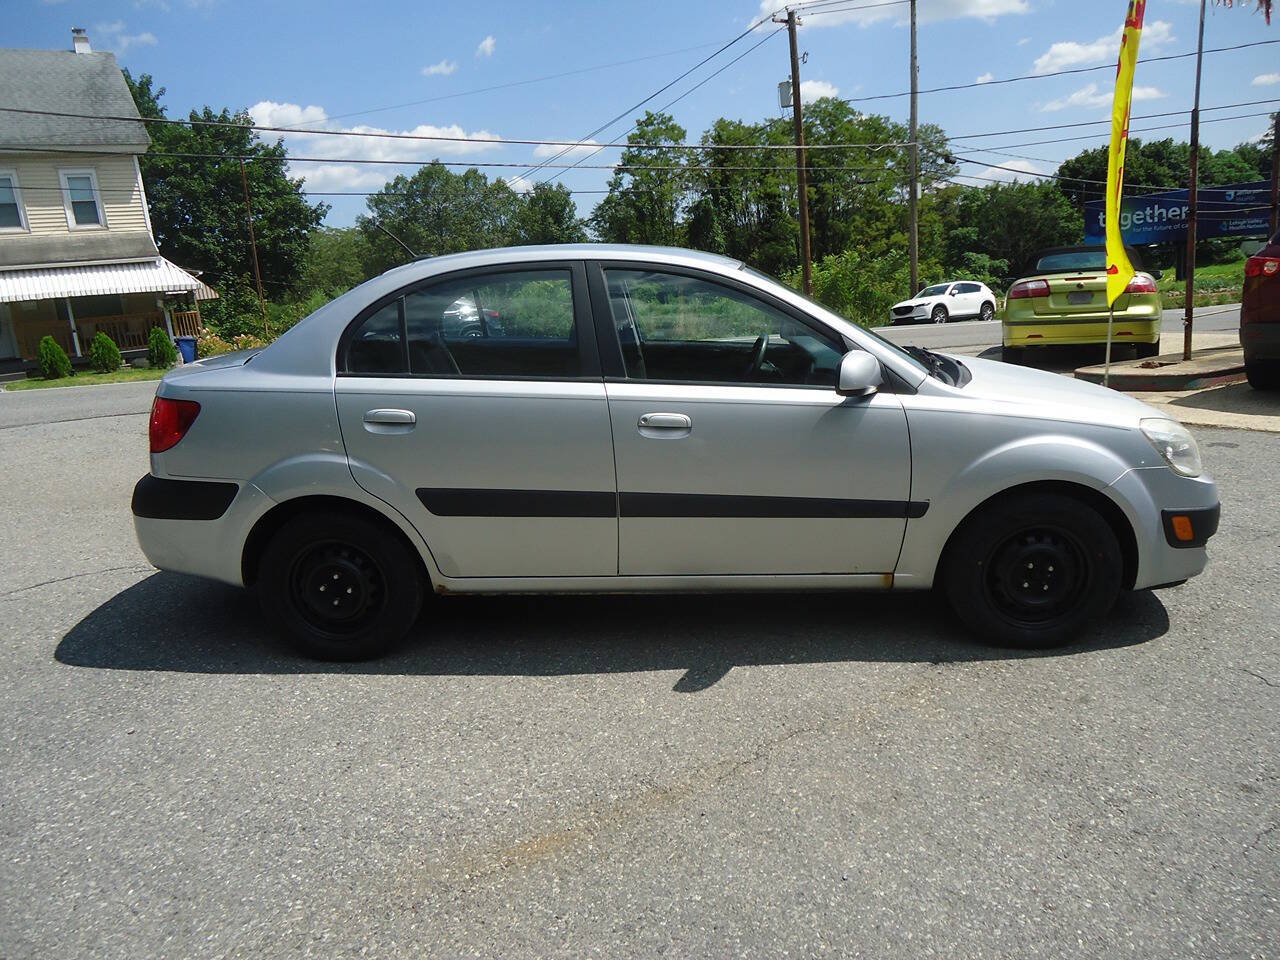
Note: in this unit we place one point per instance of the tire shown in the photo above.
(377, 575)
(1013, 354)
(1074, 559)
(1263, 374)
(987, 312)
(1145, 350)
(939, 314)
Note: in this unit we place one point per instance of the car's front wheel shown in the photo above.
(339, 587)
(987, 311)
(1032, 570)
(939, 315)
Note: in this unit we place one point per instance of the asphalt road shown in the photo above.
(971, 336)
(755, 776)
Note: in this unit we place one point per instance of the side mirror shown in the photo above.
(1156, 274)
(859, 375)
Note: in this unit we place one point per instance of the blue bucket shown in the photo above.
(187, 347)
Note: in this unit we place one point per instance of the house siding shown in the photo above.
(41, 188)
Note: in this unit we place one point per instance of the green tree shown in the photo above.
(54, 362)
(161, 352)
(547, 215)
(647, 190)
(335, 261)
(197, 202)
(104, 355)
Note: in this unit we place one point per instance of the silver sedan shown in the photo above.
(649, 419)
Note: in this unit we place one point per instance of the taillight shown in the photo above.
(1141, 284)
(1262, 266)
(170, 421)
(1028, 288)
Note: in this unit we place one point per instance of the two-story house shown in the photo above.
(76, 250)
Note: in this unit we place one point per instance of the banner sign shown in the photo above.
(1119, 269)
(1236, 210)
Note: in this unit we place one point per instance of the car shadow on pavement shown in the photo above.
(178, 623)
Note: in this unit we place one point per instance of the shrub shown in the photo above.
(54, 362)
(104, 355)
(161, 352)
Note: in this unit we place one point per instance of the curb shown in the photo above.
(1130, 377)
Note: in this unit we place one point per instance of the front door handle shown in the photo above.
(665, 421)
(391, 417)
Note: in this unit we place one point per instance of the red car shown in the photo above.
(1260, 317)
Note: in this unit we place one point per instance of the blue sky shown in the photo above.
(335, 65)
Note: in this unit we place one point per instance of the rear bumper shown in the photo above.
(196, 526)
(1045, 333)
(1261, 341)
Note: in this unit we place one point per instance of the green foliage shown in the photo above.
(863, 289)
(646, 198)
(197, 204)
(54, 362)
(236, 311)
(548, 215)
(334, 261)
(104, 355)
(161, 353)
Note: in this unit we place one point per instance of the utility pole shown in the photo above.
(913, 203)
(802, 176)
(253, 244)
(1192, 191)
(1275, 176)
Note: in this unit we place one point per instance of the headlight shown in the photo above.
(1174, 442)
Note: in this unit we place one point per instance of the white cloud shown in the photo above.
(518, 183)
(985, 78)
(1091, 96)
(486, 47)
(548, 150)
(1023, 41)
(932, 11)
(112, 36)
(356, 176)
(811, 90)
(1069, 53)
(1010, 171)
(441, 69)
(1266, 79)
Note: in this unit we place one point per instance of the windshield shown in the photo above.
(937, 290)
(915, 361)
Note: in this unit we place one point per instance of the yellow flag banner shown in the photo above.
(1119, 269)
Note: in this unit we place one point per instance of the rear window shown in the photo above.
(1075, 261)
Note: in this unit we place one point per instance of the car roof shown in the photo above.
(424, 267)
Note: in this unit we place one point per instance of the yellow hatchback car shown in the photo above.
(1063, 301)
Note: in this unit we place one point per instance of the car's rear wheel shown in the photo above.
(1263, 374)
(1144, 350)
(339, 587)
(1032, 570)
(1013, 354)
(987, 311)
(939, 315)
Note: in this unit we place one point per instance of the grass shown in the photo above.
(86, 379)
(1215, 283)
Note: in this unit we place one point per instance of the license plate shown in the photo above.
(1080, 296)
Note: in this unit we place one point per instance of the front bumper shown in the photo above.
(196, 526)
(1151, 497)
(918, 315)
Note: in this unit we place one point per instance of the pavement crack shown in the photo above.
(99, 416)
(1252, 673)
(1257, 839)
(75, 576)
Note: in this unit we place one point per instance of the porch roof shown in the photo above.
(146, 276)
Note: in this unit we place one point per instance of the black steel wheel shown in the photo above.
(1032, 570)
(339, 586)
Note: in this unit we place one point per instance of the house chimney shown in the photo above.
(80, 40)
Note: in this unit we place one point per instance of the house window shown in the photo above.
(81, 198)
(11, 215)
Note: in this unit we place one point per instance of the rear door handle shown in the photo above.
(390, 416)
(665, 421)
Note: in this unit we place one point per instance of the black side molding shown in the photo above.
(157, 499)
(1204, 524)
(467, 502)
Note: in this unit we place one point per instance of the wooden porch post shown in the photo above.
(168, 322)
(75, 334)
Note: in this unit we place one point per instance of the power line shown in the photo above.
(1055, 73)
